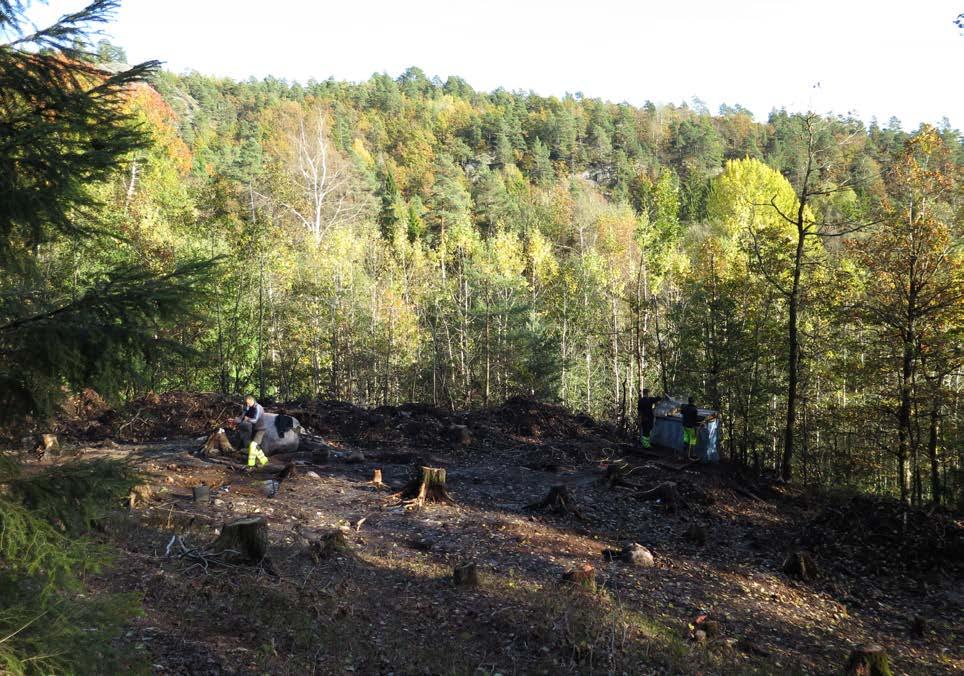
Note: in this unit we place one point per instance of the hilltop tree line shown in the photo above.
(409, 238)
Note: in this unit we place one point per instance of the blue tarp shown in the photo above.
(668, 432)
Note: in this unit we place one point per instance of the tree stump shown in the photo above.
(46, 446)
(696, 534)
(429, 486)
(584, 577)
(665, 492)
(289, 472)
(459, 435)
(801, 565)
(617, 474)
(246, 539)
(868, 660)
(139, 495)
(218, 443)
(377, 480)
(918, 628)
(465, 575)
(329, 546)
(558, 501)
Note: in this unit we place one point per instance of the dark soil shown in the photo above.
(720, 603)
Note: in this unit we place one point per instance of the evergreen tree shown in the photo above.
(392, 208)
(65, 128)
(541, 170)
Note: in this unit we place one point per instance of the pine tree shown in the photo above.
(392, 208)
(65, 128)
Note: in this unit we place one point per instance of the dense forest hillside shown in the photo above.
(448, 302)
(410, 239)
(413, 239)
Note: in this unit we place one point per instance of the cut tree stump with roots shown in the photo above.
(558, 501)
(377, 480)
(246, 539)
(665, 493)
(617, 474)
(139, 495)
(868, 660)
(459, 435)
(918, 627)
(584, 577)
(217, 444)
(429, 486)
(49, 443)
(330, 546)
(801, 565)
(696, 534)
(290, 471)
(465, 575)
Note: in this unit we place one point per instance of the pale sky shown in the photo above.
(873, 58)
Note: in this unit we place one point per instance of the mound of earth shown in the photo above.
(172, 414)
(882, 536)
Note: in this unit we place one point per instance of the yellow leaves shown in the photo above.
(358, 147)
(451, 113)
(542, 261)
(750, 195)
(616, 229)
(504, 261)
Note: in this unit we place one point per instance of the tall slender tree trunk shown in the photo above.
(793, 360)
(615, 349)
(659, 347)
(488, 355)
(932, 442)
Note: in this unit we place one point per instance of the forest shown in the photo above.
(496, 275)
(411, 239)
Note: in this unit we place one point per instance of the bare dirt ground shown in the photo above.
(388, 605)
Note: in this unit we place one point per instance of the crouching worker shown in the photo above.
(253, 427)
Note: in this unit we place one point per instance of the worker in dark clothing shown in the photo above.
(252, 420)
(646, 416)
(691, 424)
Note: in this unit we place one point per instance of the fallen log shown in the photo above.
(747, 494)
(312, 443)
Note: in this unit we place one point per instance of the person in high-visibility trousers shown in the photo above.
(691, 425)
(646, 417)
(253, 416)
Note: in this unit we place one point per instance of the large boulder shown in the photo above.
(275, 441)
